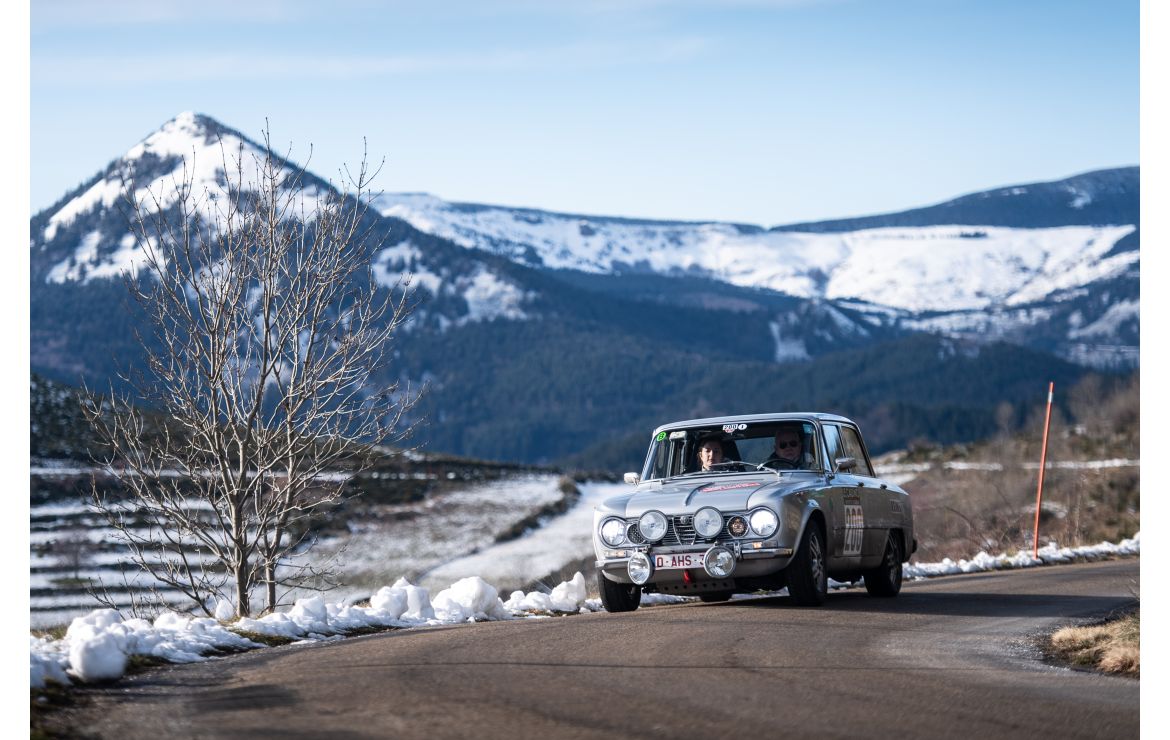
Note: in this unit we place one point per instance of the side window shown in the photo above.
(851, 444)
(656, 461)
(833, 445)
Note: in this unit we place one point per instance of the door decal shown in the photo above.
(854, 527)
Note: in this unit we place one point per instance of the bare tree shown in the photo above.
(267, 337)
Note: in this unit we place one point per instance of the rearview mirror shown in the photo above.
(633, 479)
(845, 464)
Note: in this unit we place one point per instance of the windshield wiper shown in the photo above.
(727, 465)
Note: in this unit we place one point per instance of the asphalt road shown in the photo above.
(949, 657)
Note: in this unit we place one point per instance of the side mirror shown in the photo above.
(633, 479)
(845, 464)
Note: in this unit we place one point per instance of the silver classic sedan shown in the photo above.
(741, 503)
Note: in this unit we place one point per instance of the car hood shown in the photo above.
(726, 493)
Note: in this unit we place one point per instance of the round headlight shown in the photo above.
(708, 522)
(763, 522)
(613, 532)
(639, 568)
(737, 525)
(719, 562)
(652, 525)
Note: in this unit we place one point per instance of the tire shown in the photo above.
(714, 597)
(618, 597)
(808, 577)
(886, 579)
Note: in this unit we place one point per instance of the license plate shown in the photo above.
(678, 560)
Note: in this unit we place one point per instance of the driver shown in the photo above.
(786, 452)
(710, 453)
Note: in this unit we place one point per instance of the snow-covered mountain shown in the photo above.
(86, 236)
(940, 268)
(1001, 261)
(1019, 263)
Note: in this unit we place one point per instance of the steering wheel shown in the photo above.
(780, 463)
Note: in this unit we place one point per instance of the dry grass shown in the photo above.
(982, 496)
(1113, 647)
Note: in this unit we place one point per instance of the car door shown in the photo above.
(872, 495)
(845, 505)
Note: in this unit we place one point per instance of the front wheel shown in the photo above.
(886, 579)
(618, 597)
(808, 578)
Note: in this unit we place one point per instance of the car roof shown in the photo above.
(752, 418)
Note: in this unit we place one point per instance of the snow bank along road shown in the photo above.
(950, 656)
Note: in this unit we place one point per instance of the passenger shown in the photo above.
(786, 450)
(710, 453)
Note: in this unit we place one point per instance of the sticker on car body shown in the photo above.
(854, 527)
(730, 487)
(729, 428)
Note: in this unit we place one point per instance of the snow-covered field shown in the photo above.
(901, 473)
(414, 540)
(560, 542)
(72, 550)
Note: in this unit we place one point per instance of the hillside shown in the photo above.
(982, 495)
(1051, 266)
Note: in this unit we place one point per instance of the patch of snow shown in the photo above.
(1108, 324)
(72, 268)
(404, 259)
(98, 645)
(545, 550)
(102, 194)
(468, 599)
(963, 465)
(1047, 555)
(1085, 464)
(1080, 198)
(490, 297)
(787, 350)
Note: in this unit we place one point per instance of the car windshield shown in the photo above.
(733, 447)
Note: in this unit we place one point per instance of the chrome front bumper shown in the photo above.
(751, 559)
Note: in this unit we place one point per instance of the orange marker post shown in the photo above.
(1040, 485)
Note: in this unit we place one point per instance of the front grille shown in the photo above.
(680, 530)
(633, 535)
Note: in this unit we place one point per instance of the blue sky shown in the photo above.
(757, 111)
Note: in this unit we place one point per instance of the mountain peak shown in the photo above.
(83, 236)
(185, 134)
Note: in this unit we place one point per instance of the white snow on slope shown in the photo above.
(451, 524)
(1109, 323)
(204, 161)
(943, 268)
(392, 262)
(488, 295)
(549, 548)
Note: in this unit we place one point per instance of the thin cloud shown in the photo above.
(67, 70)
(55, 14)
(50, 14)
